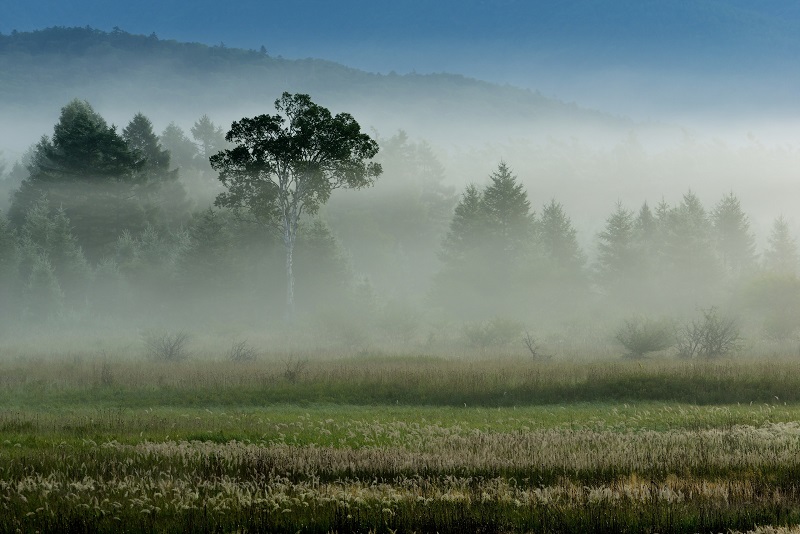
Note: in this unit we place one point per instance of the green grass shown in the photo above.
(406, 445)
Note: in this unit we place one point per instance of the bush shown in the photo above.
(709, 336)
(167, 347)
(241, 352)
(641, 335)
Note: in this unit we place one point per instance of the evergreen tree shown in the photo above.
(781, 255)
(734, 243)
(48, 236)
(509, 220)
(487, 251)
(468, 227)
(616, 252)
(161, 194)
(151, 158)
(690, 266)
(558, 241)
(209, 137)
(183, 152)
(88, 170)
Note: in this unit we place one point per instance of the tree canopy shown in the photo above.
(285, 165)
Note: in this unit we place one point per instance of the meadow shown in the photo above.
(397, 443)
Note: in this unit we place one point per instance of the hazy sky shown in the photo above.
(598, 54)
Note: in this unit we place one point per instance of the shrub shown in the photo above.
(641, 335)
(167, 347)
(241, 352)
(709, 336)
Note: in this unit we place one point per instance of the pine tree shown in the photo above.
(781, 255)
(616, 253)
(88, 170)
(161, 194)
(49, 236)
(151, 158)
(509, 220)
(468, 227)
(209, 137)
(734, 243)
(558, 242)
(689, 246)
(183, 152)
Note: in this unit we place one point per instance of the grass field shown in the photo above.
(398, 444)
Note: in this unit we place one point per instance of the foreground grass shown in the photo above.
(409, 381)
(96, 446)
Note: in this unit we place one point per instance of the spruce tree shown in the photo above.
(509, 220)
(87, 169)
(558, 242)
(616, 253)
(735, 243)
(781, 255)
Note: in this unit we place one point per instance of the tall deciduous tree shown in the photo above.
(286, 165)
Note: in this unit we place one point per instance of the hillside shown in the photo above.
(121, 74)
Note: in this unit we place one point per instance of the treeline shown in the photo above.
(120, 225)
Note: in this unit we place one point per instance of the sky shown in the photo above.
(597, 54)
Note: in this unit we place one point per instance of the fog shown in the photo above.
(409, 265)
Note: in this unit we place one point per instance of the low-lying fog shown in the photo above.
(481, 233)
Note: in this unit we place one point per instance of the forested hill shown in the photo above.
(123, 73)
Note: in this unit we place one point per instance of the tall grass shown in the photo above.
(408, 381)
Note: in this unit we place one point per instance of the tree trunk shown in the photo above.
(289, 279)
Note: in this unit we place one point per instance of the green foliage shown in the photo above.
(507, 212)
(89, 171)
(286, 165)
(641, 335)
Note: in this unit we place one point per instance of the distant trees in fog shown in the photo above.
(498, 255)
(113, 224)
(104, 182)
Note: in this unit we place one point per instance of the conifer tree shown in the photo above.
(616, 253)
(735, 243)
(781, 255)
(509, 220)
(87, 169)
(558, 241)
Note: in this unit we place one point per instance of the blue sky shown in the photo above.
(586, 51)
